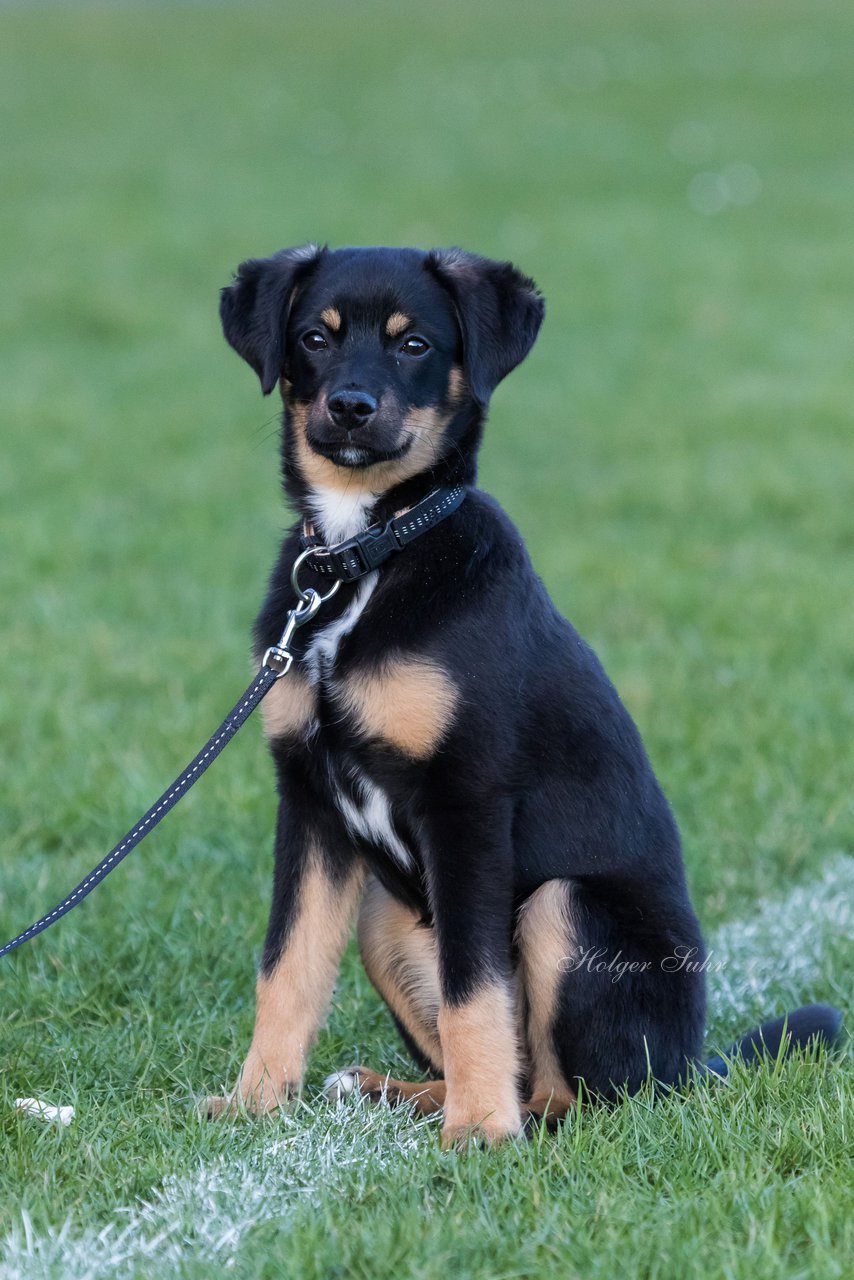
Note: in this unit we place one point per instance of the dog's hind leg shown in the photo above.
(545, 939)
(425, 1096)
(609, 999)
(400, 957)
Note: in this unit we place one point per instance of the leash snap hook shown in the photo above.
(278, 657)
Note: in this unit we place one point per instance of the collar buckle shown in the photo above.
(376, 547)
(361, 554)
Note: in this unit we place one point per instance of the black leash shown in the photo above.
(263, 682)
(275, 664)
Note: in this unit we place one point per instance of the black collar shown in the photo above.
(357, 556)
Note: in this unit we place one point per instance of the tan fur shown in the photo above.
(400, 958)
(292, 1000)
(331, 317)
(422, 453)
(480, 1050)
(425, 1096)
(546, 939)
(399, 955)
(429, 422)
(476, 1044)
(317, 471)
(456, 386)
(289, 706)
(396, 323)
(407, 702)
(320, 472)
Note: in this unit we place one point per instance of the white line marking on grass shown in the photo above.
(774, 960)
(782, 955)
(203, 1216)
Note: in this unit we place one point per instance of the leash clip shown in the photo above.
(279, 657)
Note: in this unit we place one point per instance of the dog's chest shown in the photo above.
(320, 660)
(364, 805)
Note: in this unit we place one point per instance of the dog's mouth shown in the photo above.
(353, 453)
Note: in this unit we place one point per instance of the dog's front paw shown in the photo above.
(476, 1127)
(258, 1092)
(256, 1102)
(459, 1137)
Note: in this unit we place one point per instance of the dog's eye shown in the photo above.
(314, 340)
(415, 346)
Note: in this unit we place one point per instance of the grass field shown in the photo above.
(677, 452)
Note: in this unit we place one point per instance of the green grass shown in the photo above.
(676, 452)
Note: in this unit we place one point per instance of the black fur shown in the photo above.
(499, 313)
(542, 774)
(254, 309)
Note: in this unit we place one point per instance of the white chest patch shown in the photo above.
(321, 654)
(340, 514)
(365, 807)
(371, 817)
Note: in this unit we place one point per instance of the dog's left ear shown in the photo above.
(500, 312)
(254, 309)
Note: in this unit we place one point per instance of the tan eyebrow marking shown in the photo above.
(396, 323)
(331, 317)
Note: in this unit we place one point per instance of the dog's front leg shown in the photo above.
(314, 899)
(470, 877)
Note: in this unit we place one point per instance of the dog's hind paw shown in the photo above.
(339, 1084)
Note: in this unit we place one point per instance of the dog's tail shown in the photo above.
(811, 1024)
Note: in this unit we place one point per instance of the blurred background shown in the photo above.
(676, 176)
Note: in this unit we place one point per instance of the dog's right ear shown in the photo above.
(254, 309)
(499, 311)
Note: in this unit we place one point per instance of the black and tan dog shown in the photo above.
(450, 753)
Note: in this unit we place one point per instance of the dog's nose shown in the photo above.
(351, 408)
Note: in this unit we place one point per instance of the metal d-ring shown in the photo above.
(305, 596)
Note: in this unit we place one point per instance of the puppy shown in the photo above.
(453, 763)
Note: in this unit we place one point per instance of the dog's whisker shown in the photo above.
(276, 417)
(271, 435)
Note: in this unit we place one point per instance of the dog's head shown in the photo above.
(386, 358)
